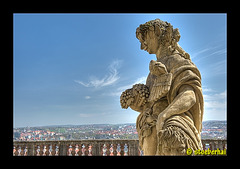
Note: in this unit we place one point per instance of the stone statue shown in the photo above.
(171, 102)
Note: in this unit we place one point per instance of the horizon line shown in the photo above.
(93, 124)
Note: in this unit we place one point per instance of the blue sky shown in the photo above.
(72, 68)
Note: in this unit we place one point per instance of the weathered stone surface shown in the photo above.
(171, 102)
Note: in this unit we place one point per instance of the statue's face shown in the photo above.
(150, 43)
(176, 149)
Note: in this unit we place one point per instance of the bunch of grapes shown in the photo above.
(142, 91)
(138, 91)
(127, 94)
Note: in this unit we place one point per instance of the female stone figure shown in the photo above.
(171, 102)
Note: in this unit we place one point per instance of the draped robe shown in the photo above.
(184, 72)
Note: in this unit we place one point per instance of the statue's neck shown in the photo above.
(162, 52)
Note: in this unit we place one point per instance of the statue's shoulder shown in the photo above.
(171, 61)
(176, 57)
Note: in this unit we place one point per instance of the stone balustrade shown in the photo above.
(214, 144)
(91, 147)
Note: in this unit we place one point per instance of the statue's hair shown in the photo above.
(165, 27)
(168, 36)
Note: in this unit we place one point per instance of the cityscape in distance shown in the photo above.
(211, 130)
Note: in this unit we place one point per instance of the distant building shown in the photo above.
(62, 138)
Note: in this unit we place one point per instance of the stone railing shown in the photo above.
(91, 147)
(214, 144)
(76, 148)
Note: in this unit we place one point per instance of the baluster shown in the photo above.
(207, 145)
(83, 150)
(211, 146)
(90, 150)
(111, 150)
(118, 150)
(56, 150)
(220, 144)
(19, 151)
(50, 150)
(25, 151)
(114, 149)
(44, 150)
(14, 150)
(204, 145)
(76, 150)
(104, 150)
(38, 150)
(224, 145)
(125, 150)
(70, 150)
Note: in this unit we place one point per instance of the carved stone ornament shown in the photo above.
(171, 102)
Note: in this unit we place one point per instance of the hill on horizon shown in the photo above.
(104, 124)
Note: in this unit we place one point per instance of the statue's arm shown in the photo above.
(182, 103)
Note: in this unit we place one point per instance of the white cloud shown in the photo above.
(215, 106)
(108, 80)
(194, 55)
(209, 51)
(119, 90)
(206, 89)
(87, 97)
(217, 96)
(219, 67)
(219, 52)
(80, 82)
(139, 80)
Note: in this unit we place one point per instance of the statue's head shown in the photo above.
(173, 141)
(154, 33)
